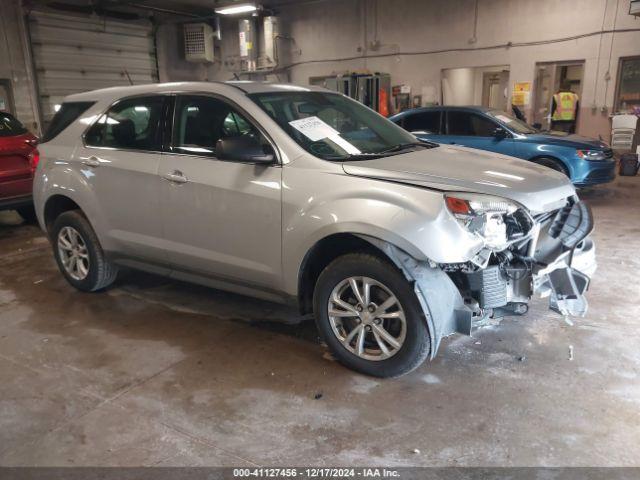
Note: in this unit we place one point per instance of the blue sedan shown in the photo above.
(586, 161)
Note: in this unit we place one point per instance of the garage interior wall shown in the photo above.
(330, 36)
(15, 65)
(74, 53)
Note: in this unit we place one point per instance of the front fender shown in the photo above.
(413, 219)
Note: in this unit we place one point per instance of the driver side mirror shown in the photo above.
(244, 149)
(500, 133)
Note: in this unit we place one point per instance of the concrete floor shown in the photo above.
(155, 372)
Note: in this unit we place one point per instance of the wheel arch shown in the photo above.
(321, 254)
(55, 206)
(555, 158)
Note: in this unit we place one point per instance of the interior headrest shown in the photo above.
(124, 133)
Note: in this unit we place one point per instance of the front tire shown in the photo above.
(369, 316)
(79, 254)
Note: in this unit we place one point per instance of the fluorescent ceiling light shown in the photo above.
(236, 9)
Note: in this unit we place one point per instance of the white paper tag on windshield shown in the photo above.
(315, 129)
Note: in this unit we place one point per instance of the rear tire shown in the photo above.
(553, 164)
(28, 214)
(389, 346)
(79, 255)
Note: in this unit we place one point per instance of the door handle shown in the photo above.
(176, 177)
(91, 161)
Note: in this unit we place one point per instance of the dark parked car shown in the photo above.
(586, 161)
(18, 160)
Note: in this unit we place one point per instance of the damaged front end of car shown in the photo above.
(522, 254)
(518, 255)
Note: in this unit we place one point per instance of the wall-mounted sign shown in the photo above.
(521, 94)
(400, 89)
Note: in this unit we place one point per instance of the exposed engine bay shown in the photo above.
(549, 254)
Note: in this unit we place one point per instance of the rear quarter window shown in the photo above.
(64, 117)
(10, 126)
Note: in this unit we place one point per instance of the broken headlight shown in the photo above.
(497, 221)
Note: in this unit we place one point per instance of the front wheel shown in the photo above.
(369, 316)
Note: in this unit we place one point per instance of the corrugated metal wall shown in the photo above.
(74, 53)
(15, 65)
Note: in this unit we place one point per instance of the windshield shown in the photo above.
(335, 127)
(512, 122)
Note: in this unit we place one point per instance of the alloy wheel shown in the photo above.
(73, 253)
(367, 318)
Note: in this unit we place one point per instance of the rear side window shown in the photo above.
(423, 122)
(469, 124)
(10, 126)
(131, 124)
(64, 117)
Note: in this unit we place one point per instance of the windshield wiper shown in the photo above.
(353, 156)
(404, 146)
(382, 153)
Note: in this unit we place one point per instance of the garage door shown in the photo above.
(74, 53)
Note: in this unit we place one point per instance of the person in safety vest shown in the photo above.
(564, 110)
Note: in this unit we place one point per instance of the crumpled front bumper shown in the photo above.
(567, 279)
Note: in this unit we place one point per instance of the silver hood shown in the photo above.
(450, 168)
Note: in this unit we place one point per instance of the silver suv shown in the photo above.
(301, 195)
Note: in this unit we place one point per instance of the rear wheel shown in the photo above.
(554, 164)
(369, 316)
(79, 254)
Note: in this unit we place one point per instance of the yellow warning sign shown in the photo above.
(521, 94)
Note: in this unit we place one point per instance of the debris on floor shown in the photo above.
(570, 352)
(430, 379)
(328, 356)
(317, 396)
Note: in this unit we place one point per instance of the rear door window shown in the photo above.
(131, 124)
(464, 123)
(428, 122)
(64, 117)
(10, 126)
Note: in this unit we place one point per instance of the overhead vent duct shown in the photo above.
(248, 47)
(270, 33)
(198, 42)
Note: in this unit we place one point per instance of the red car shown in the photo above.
(18, 160)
